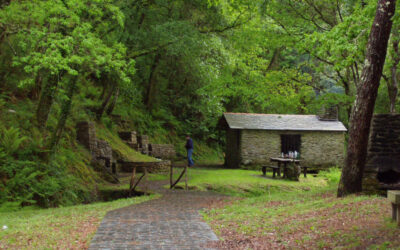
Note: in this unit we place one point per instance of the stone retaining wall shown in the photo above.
(162, 151)
(129, 136)
(318, 149)
(152, 167)
(86, 135)
(143, 142)
(100, 150)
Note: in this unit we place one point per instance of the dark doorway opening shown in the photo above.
(290, 143)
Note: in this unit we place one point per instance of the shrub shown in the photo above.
(11, 140)
(26, 179)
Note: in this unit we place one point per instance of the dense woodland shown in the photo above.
(166, 68)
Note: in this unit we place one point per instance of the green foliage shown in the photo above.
(166, 68)
(11, 140)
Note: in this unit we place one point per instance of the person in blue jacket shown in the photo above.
(189, 148)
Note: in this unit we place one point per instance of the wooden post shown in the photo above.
(179, 178)
(171, 176)
(394, 198)
(279, 169)
(186, 178)
(132, 181)
(145, 180)
(398, 215)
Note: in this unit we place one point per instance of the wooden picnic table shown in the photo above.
(284, 161)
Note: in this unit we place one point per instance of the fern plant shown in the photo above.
(11, 140)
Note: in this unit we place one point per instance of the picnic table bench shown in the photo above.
(282, 162)
(275, 170)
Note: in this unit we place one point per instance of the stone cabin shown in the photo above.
(252, 139)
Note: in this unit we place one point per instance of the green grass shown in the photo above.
(57, 228)
(247, 183)
(287, 209)
(304, 214)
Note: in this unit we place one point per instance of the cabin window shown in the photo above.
(290, 143)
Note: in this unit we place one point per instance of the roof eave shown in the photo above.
(315, 130)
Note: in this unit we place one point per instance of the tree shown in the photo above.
(367, 90)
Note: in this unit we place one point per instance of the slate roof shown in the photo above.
(281, 122)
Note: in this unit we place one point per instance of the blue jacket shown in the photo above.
(189, 144)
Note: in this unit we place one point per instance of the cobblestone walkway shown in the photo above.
(170, 222)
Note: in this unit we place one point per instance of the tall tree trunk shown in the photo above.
(65, 111)
(151, 86)
(102, 108)
(274, 63)
(46, 100)
(114, 102)
(360, 120)
(35, 92)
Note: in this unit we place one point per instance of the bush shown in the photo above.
(26, 179)
(11, 140)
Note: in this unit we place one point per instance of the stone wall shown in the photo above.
(383, 154)
(100, 150)
(86, 135)
(129, 137)
(318, 149)
(323, 149)
(143, 142)
(152, 167)
(162, 151)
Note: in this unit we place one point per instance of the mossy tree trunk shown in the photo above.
(151, 86)
(102, 108)
(367, 90)
(111, 107)
(46, 100)
(392, 83)
(65, 111)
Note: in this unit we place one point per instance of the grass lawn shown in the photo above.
(275, 213)
(57, 228)
(263, 213)
(247, 183)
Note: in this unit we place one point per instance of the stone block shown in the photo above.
(128, 136)
(152, 167)
(103, 149)
(86, 135)
(162, 151)
(143, 140)
(103, 154)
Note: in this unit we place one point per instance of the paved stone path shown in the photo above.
(170, 222)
